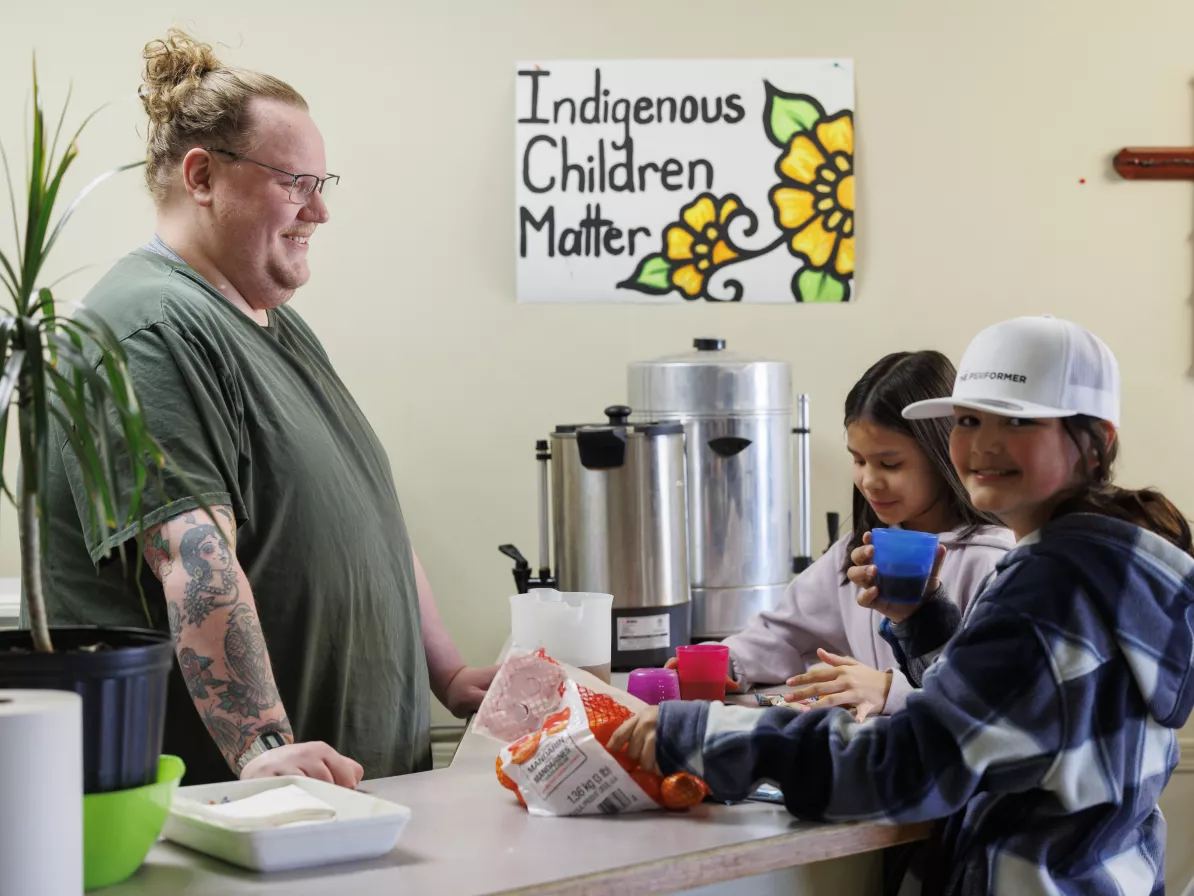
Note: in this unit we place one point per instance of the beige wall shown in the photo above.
(976, 123)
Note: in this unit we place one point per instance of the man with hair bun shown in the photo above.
(307, 636)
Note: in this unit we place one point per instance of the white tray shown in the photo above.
(364, 827)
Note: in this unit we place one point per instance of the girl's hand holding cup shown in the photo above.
(906, 561)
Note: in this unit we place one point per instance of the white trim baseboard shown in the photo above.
(10, 602)
(444, 741)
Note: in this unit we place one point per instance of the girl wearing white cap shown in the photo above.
(1045, 730)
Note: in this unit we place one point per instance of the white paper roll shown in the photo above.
(41, 793)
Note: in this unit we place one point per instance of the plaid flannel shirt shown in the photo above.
(1043, 734)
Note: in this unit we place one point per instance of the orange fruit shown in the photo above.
(603, 731)
(524, 748)
(602, 708)
(605, 714)
(682, 791)
(649, 782)
(625, 761)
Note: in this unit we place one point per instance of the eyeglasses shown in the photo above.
(302, 186)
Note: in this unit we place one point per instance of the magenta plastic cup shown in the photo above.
(653, 686)
(702, 669)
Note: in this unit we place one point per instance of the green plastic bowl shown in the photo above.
(120, 827)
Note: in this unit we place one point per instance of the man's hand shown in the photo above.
(467, 689)
(312, 759)
(843, 681)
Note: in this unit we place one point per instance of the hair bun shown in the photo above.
(174, 67)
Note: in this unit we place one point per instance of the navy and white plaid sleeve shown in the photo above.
(918, 640)
(988, 717)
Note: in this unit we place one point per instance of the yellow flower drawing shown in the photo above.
(696, 245)
(814, 201)
(813, 208)
(693, 247)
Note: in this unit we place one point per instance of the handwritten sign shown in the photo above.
(666, 181)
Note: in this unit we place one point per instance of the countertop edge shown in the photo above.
(734, 861)
(720, 864)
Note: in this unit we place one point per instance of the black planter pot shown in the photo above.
(123, 690)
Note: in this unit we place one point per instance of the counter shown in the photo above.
(467, 836)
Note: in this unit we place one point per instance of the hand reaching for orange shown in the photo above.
(606, 717)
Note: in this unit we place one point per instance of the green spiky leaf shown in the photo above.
(787, 114)
(69, 372)
(819, 286)
(653, 276)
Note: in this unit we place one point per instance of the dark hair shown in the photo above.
(1146, 508)
(880, 397)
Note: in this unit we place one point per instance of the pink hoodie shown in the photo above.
(817, 610)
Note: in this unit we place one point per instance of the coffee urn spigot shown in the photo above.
(522, 569)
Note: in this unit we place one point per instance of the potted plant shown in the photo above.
(49, 372)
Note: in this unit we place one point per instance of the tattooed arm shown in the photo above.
(222, 652)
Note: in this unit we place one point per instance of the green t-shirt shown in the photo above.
(257, 419)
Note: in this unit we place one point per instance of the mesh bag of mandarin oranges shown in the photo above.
(556, 720)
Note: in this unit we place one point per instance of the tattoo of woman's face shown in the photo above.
(212, 577)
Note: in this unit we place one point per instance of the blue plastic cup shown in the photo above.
(904, 560)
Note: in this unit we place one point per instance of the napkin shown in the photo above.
(268, 809)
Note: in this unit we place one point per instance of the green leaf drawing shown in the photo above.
(818, 286)
(788, 114)
(653, 275)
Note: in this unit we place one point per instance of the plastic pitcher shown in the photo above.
(572, 626)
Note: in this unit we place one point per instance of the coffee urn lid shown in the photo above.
(602, 446)
(618, 420)
(709, 381)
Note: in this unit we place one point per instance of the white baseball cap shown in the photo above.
(1032, 367)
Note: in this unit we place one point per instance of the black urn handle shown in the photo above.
(728, 446)
(708, 345)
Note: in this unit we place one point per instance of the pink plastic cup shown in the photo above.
(702, 669)
(653, 686)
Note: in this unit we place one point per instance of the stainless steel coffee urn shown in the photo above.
(619, 524)
(737, 415)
